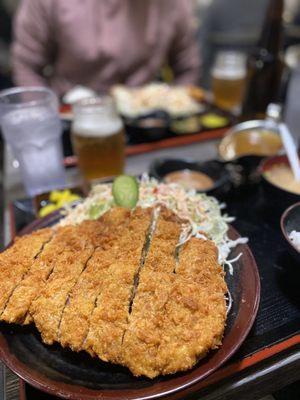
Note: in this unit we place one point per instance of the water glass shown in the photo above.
(31, 126)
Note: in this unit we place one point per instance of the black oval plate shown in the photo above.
(64, 373)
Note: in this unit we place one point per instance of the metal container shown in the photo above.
(244, 166)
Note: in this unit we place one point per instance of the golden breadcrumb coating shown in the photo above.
(17, 260)
(119, 288)
(109, 318)
(81, 302)
(176, 317)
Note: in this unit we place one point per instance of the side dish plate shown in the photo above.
(66, 374)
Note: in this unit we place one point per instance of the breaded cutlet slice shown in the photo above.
(176, 318)
(81, 242)
(17, 260)
(145, 328)
(194, 324)
(34, 281)
(81, 302)
(143, 333)
(27, 290)
(109, 318)
(196, 310)
(197, 258)
(161, 253)
(47, 308)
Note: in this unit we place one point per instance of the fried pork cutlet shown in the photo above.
(194, 324)
(81, 242)
(120, 289)
(17, 260)
(109, 318)
(27, 289)
(47, 308)
(81, 302)
(145, 327)
(161, 254)
(144, 330)
(43, 264)
(176, 317)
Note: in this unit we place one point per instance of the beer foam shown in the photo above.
(231, 74)
(96, 126)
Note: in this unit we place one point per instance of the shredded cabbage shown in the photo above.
(202, 213)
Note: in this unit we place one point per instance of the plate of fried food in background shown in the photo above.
(158, 110)
(138, 292)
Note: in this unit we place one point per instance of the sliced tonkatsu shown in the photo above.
(165, 238)
(75, 320)
(179, 311)
(17, 260)
(121, 287)
(109, 319)
(146, 324)
(47, 308)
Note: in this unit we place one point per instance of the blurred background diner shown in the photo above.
(53, 43)
(148, 72)
(204, 93)
(98, 44)
(156, 70)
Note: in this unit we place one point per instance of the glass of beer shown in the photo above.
(98, 138)
(229, 80)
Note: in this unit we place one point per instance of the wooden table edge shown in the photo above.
(183, 140)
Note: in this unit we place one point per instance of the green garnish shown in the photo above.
(96, 210)
(125, 191)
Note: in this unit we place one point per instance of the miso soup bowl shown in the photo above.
(277, 198)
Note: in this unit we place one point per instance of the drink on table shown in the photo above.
(98, 138)
(228, 80)
(265, 65)
(31, 125)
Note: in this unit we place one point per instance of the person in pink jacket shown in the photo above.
(63, 43)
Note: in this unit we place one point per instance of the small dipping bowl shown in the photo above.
(246, 144)
(277, 198)
(290, 221)
(147, 128)
(214, 170)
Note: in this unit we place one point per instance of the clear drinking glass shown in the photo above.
(31, 126)
(229, 80)
(98, 138)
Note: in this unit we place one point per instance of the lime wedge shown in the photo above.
(125, 190)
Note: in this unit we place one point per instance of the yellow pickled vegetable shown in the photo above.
(49, 208)
(213, 121)
(58, 198)
(69, 199)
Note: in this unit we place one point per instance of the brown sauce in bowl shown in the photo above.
(190, 179)
(259, 142)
